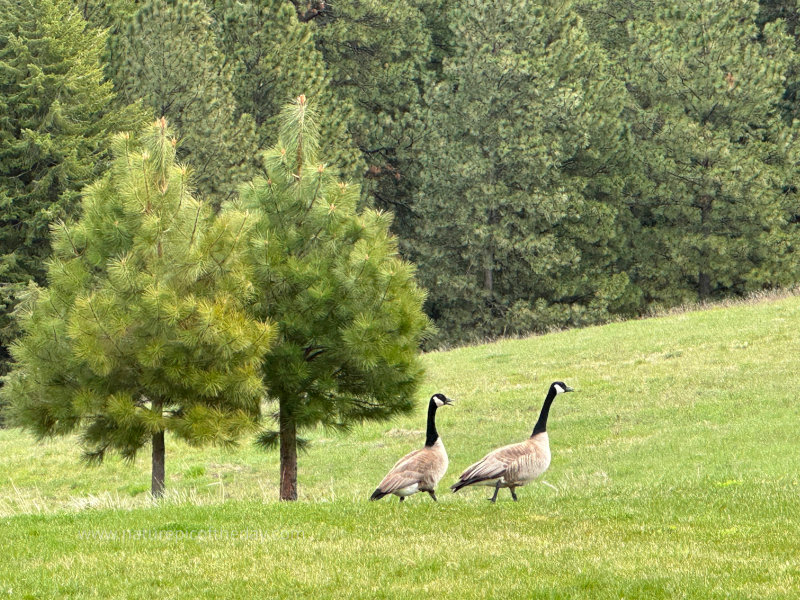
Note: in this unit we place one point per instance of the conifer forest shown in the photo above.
(399, 298)
(209, 203)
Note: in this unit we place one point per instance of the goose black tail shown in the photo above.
(465, 482)
(377, 494)
(458, 485)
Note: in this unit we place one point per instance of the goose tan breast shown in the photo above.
(435, 463)
(532, 463)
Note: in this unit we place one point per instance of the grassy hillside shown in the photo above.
(675, 474)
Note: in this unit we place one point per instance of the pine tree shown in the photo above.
(168, 55)
(57, 114)
(347, 308)
(518, 217)
(607, 22)
(106, 14)
(379, 57)
(714, 220)
(788, 11)
(141, 329)
(271, 53)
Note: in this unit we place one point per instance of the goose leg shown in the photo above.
(402, 498)
(513, 495)
(433, 495)
(496, 489)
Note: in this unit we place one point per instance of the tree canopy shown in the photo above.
(718, 158)
(58, 113)
(546, 163)
(518, 222)
(141, 328)
(347, 309)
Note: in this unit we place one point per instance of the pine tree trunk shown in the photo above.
(288, 435)
(703, 285)
(703, 276)
(157, 480)
(488, 273)
(488, 267)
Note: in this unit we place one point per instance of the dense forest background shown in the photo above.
(547, 163)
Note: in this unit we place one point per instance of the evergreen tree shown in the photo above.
(714, 220)
(346, 307)
(107, 14)
(270, 53)
(57, 113)
(141, 329)
(519, 222)
(167, 55)
(607, 22)
(379, 57)
(787, 11)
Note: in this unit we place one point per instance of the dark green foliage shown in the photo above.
(107, 13)
(717, 158)
(56, 116)
(167, 55)
(273, 58)
(607, 22)
(788, 12)
(346, 306)
(785, 10)
(518, 223)
(141, 328)
(547, 163)
(379, 57)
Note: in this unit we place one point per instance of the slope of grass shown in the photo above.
(674, 474)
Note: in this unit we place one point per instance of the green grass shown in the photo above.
(675, 467)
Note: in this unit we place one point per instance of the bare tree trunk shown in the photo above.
(157, 478)
(288, 436)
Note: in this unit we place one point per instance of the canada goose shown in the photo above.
(420, 470)
(515, 465)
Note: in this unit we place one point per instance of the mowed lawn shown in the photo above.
(675, 474)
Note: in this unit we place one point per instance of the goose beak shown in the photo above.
(448, 401)
(569, 389)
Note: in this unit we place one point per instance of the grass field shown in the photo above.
(675, 474)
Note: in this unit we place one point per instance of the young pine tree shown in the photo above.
(141, 328)
(347, 309)
(58, 114)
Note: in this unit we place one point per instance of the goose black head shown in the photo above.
(559, 387)
(440, 400)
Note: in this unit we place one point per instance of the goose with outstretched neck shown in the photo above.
(515, 465)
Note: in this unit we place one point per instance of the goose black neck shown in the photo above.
(541, 424)
(432, 435)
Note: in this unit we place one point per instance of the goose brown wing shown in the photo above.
(493, 465)
(407, 471)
